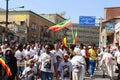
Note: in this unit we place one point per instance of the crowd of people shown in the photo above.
(49, 61)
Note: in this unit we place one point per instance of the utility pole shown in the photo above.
(6, 25)
(100, 30)
(6, 14)
(5, 31)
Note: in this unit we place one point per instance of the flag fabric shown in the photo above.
(6, 67)
(75, 37)
(64, 40)
(61, 25)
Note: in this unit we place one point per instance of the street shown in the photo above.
(98, 76)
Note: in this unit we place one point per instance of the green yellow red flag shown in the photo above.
(64, 40)
(75, 37)
(61, 25)
(6, 67)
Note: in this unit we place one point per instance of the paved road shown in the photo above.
(98, 76)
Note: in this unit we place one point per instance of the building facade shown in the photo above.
(108, 33)
(86, 34)
(111, 12)
(28, 26)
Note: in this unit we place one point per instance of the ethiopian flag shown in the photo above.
(6, 67)
(64, 41)
(75, 37)
(61, 25)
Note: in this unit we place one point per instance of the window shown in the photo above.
(22, 23)
(41, 28)
(33, 26)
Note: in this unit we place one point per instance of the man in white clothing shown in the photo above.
(20, 58)
(47, 64)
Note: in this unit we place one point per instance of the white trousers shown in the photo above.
(79, 75)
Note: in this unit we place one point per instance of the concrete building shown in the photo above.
(28, 26)
(86, 34)
(111, 12)
(108, 33)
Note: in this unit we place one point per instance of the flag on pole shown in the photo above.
(75, 37)
(64, 40)
(61, 25)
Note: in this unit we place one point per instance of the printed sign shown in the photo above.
(87, 20)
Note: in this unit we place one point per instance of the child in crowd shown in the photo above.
(65, 69)
(30, 71)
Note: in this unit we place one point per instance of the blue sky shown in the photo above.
(72, 8)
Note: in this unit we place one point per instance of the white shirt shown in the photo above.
(117, 54)
(57, 53)
(83, 52)
(19, 55)
(107, 57)
(77, 61)
(80, 52)
(65, 68)
(36, 57)
(101, 53)
(28, 53)
(77, 51)
(33, 52)
(42, 50)
(47, 61)
(27, 71)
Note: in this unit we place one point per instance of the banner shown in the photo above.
(110, 27)
(20, 18)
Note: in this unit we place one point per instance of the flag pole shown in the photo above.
(72, 33)
(77, 34)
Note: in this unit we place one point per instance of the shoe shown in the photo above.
(118, 78)
(91, 77)
(103, 76)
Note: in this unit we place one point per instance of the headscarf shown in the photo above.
(9, 57)
(11, 61)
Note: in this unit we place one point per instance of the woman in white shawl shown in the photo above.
(79, 64)
(107, 60)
